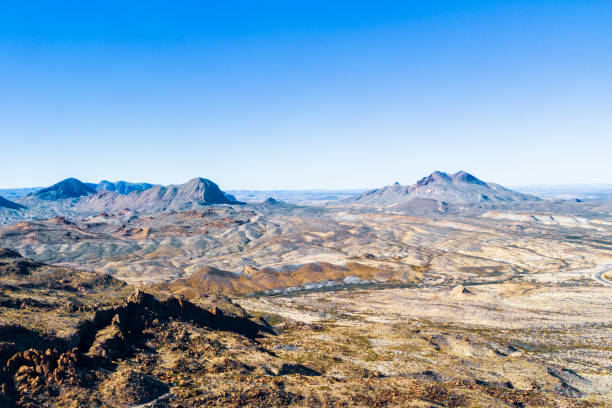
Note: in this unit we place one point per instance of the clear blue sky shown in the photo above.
(305, 94)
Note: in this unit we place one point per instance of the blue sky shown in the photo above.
(316, 94)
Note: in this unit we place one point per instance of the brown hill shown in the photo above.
(311, 275)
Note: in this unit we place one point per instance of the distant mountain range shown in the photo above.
(72, 197)
(437, 193)
(438, 190)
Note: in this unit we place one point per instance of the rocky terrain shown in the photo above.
(248, 249)
(74, 338)
(408, 296)
(65, 335)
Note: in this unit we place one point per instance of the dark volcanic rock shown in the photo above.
(80, 347)
(288, 369)
(8, 253)
(33, 370)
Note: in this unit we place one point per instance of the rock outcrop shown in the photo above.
(55, 341)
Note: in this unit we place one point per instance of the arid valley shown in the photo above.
(448, 292)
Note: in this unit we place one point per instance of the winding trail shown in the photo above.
(597, 275)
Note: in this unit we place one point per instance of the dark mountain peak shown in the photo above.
(4, 203)
(435, 177)
(464, 177)
(68, 188)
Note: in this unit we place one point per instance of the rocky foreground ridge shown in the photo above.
(72, 338)
(64, 329)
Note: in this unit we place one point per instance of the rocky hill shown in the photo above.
(309, 276)
(272, 204)
(440, 189)
(68, 188)
(4, 203)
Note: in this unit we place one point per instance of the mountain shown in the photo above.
(272, 202)
(196, 192)
(4, 203)
(443, 188)
(122, 187)
(69, 188)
